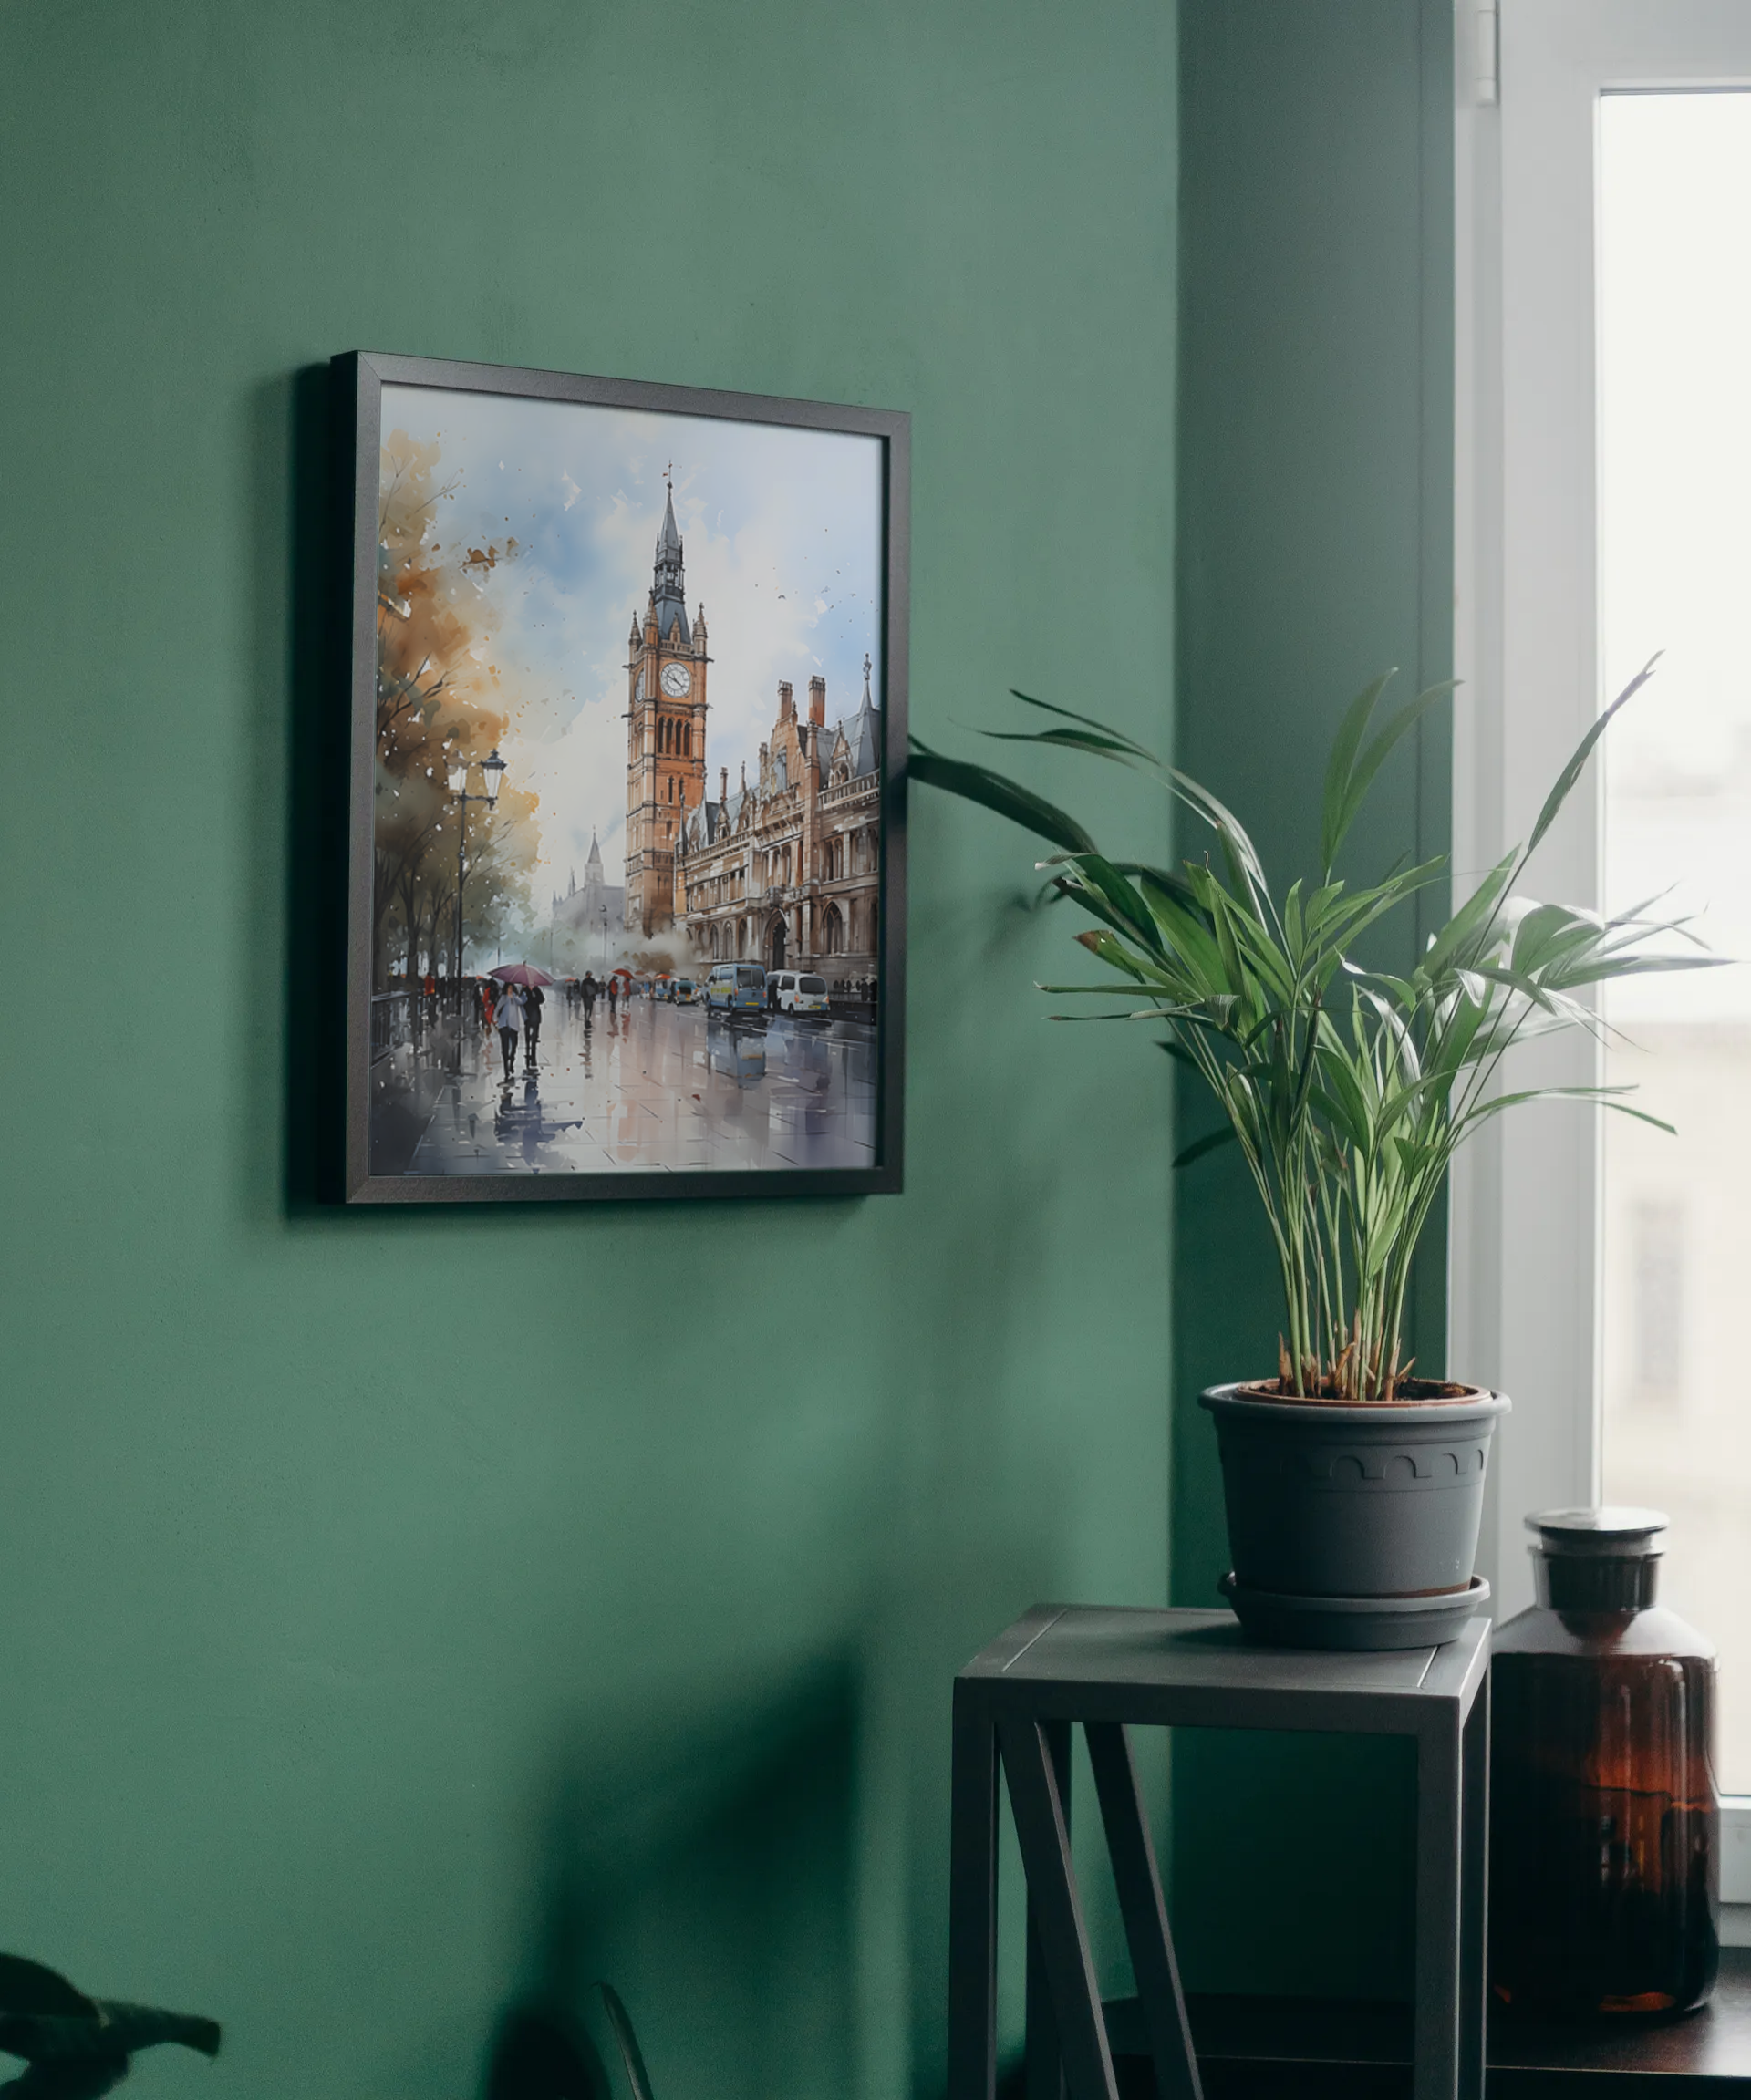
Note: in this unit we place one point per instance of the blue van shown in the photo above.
(736, 988)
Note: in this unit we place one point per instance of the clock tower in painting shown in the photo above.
(665, 734)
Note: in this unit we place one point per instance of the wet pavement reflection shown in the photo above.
(659, 1088)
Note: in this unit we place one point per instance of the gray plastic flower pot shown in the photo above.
(1328, 1500)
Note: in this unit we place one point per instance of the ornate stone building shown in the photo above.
(788, 872)
(665, 674)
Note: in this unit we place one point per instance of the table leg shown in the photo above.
(1138, 1882)
(1052, 1883)
(972, 1903)
(1045, 2063)
(1474, 1867)
(1439, 1936)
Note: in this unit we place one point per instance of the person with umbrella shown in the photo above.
(533, 1003)
(507, 1015)
(518, 983)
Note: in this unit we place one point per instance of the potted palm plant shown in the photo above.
(1353, 1489)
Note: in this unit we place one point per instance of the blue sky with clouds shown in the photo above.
(782, 535)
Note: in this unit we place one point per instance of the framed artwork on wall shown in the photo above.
(625, 899)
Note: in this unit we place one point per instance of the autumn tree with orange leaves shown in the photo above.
(438, 702)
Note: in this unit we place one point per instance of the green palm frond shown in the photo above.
(1345, 1088)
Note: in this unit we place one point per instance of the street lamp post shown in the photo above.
(493, 767)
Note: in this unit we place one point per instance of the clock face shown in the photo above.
(676, 680)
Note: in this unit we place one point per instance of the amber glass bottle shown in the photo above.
(1604, 1887)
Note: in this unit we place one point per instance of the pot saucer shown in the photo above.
(1281, 1621)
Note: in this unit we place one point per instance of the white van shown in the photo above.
(796, 992)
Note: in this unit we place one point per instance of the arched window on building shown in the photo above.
(833, 932)
(687, 739)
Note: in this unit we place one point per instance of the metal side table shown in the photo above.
(1110, 1669)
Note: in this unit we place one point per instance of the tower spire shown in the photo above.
(668, 578)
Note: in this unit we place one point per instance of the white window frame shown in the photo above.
(1524, 1279)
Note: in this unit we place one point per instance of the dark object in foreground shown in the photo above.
(76, 2047)
(543, 2052)
(1605, 1825)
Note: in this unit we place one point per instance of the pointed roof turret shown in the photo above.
(669, 582)
(595, 860)
(864, 733)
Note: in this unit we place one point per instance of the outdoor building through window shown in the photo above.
(1674, 575)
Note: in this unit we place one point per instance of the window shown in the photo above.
(1604, 451)
(1674, 347)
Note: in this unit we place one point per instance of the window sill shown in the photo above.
(1296, 2048)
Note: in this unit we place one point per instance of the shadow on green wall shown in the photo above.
(701, 1860)
(1314, 549)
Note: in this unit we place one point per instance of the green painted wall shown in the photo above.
(1315, 500)
(358, 1674)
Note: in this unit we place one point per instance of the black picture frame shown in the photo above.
(359, 378)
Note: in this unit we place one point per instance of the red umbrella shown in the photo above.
(520, 974)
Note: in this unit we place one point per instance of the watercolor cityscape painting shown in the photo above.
(632, 847)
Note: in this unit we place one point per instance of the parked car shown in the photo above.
(796, 992)
(736, 988)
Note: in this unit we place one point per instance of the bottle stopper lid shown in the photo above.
(1614, 1532)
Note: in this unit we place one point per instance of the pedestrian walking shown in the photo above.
(533, 1003)
(589, 989)
(507, 1017)
(614, 993)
